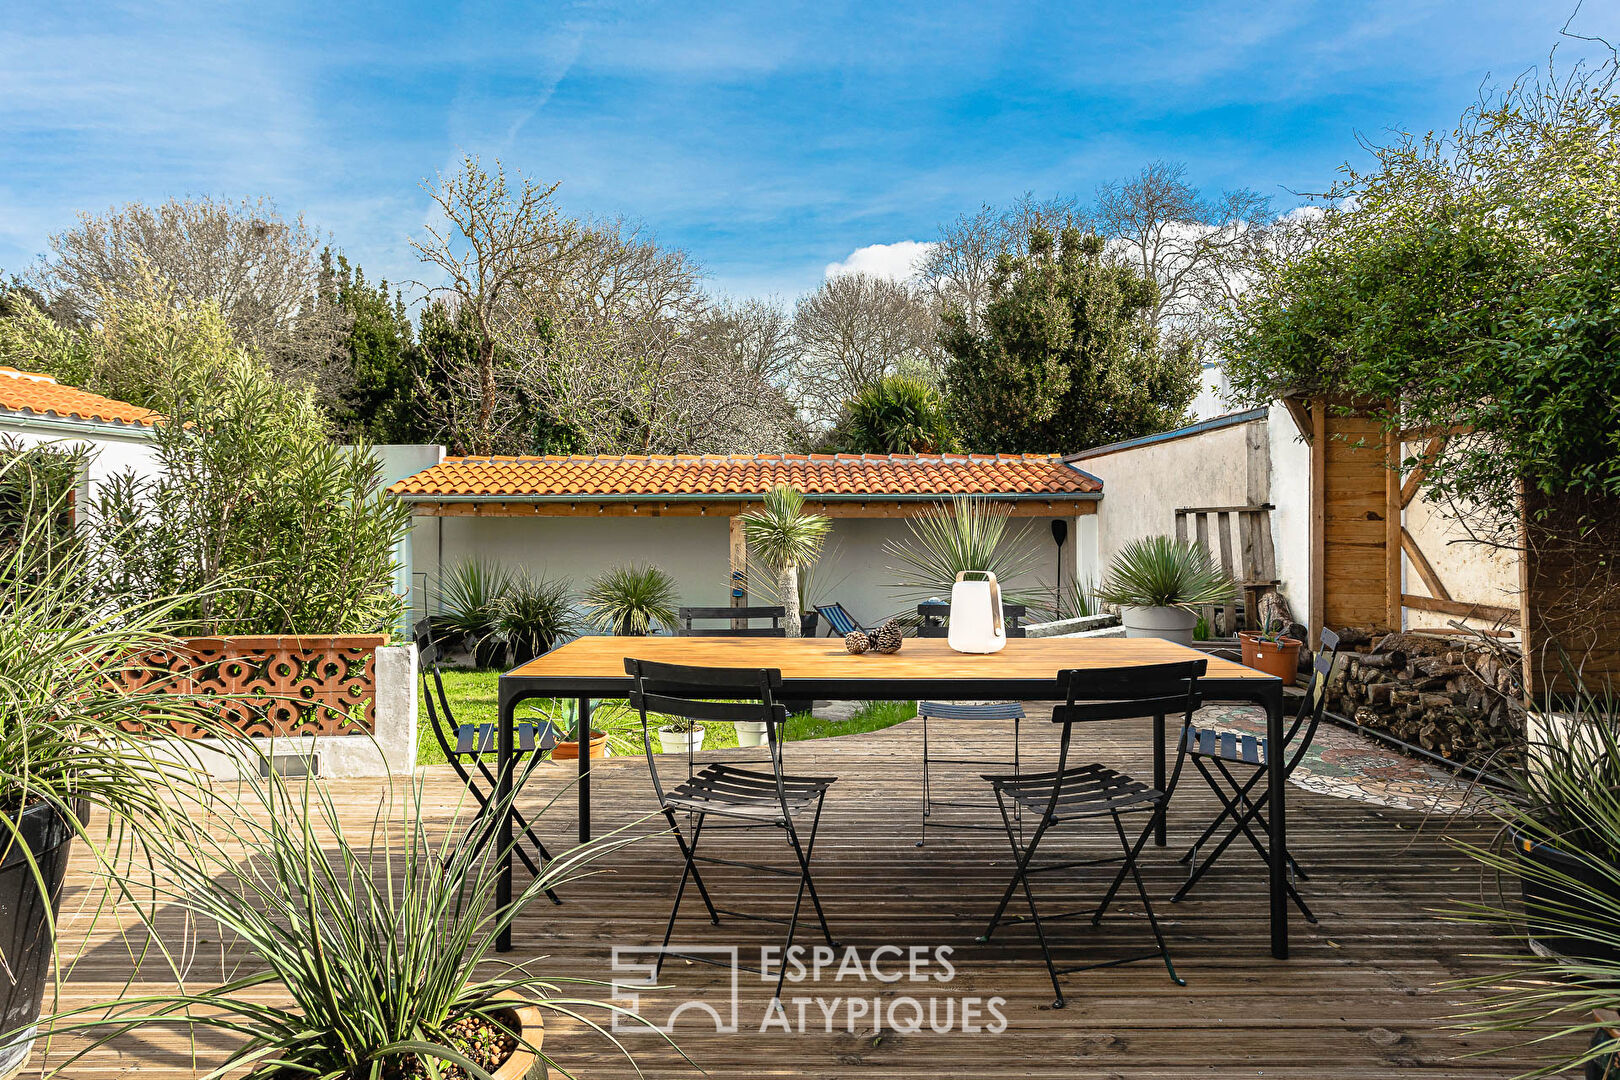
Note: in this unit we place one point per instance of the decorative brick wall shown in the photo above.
(279, 686)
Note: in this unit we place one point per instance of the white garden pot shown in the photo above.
(1170, 623)
(750, 732)
(680, 742)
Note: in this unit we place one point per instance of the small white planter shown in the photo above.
(1170, 623)
(750, 732)
(680, 742)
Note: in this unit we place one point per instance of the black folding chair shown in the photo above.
(689, 616)
(749, 798)
(933, 618)
(473, 745)
(943, 710)
(1094, 790)
(1224, 751)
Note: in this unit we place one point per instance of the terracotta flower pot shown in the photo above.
(1279, 658)
(526, 1062)
(569, 751)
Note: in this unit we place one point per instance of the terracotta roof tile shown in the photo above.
(41, 395)
(817, 475)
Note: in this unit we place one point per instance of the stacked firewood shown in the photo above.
(1455, 697)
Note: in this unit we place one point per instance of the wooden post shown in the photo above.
(1318, 419)
(1392, 531)
(738, 559)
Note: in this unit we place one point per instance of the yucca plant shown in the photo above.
(966, 534)
(1158, 571)
(786, 538)
(467, 598)
(1560, 837)
(370, 949)
(629, 601)
(534, 614)
(85, 703)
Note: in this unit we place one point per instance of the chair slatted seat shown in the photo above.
(1094, 790)
(1216, 753)
(689, 617)
(751, 798)
(963, 710)
(1227, 745)
(989, 710)
(474, 739)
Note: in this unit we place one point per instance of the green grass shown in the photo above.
(472, 697)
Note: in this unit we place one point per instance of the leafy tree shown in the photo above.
(380, 354)
(1467, 282)
(258, 511)
(1065, 357)
(852, 331)
(898, 414)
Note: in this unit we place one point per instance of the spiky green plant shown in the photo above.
(1159, 571)
(468, 596)
(968, 533)
(534, 614)
(379, 945)
(1566, 797)
(786, 538)
(629, 601)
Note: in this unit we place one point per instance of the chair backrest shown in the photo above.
(1314, 704)
(689, 615)
(932, 617)
(839, 620)
(1128, 693)
(724, 695)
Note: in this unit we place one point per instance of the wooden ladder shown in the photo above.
(1251, 546)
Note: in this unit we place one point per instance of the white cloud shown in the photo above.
(898, 262)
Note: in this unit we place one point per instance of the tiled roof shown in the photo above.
(816, 475)
(41, 395)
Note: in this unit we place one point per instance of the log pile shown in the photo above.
(1450, 696)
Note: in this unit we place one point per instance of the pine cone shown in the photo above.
(856, 642)
(887, 638)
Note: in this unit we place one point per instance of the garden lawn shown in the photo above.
(473, 700)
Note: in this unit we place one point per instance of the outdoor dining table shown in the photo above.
(926, 668)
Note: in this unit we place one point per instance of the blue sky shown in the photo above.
(768, 140)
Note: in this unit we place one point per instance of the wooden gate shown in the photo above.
(1249, 557)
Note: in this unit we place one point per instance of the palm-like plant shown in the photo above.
(786, 538)
(628, 601)
(898, 414)
(968, 534)
(468, 597)
(534, 614)
(378, 944)
(1159, 571)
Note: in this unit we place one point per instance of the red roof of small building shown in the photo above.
(823, 476)
(41, 395)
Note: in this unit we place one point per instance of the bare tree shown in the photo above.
(1200, 251)
(962, 259)
(852, 331)
(494, 245)
(262, 270)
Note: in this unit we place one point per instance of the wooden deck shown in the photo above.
(1361, 997)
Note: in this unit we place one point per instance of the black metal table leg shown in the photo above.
(1277, 783)
(504, 763)
(584, 794)
(1160, 833)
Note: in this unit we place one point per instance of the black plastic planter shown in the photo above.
(1554, 912)
(24, 926)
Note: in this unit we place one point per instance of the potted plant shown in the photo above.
(1271, 650)
(1560, 837)
(567, 719)
(78, 714)
(468, 598)
(532, 616)
(383, 946)
(786, 538)
(1157, 583)
(970, 535)
(631, 601)
(680, 735)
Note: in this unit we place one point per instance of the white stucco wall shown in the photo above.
(114, 448)
(695, 550)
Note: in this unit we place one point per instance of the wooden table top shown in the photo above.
(825, 659)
